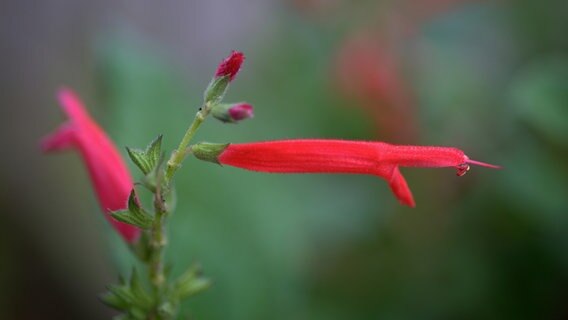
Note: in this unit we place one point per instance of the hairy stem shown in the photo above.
(179, 154)
(158, 241)
(158, 236)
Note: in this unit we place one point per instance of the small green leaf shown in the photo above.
(141, 296)
(137, 313)
(191, 282)
(122, 295)
(135, 215)
(156, 176)
(114, 301)
(148, 158)
(130, 298)
(167, 310)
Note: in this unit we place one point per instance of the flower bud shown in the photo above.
(226, 72)
(231, 65)
(232, 112)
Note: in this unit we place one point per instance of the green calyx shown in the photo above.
(208, 151)
(216, 90)
(220, 111)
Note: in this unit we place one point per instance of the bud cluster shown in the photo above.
(215, 92)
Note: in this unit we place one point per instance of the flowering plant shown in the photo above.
(144, 230)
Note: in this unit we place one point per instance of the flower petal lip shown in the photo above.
(108, 172)
(342, 156)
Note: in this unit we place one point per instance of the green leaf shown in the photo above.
(142, 298)
(138, 314)
(191, 282)
(118, 297)
(156, 176)
(130, 298)
(148, 158)
(135, 215)
(114, 301)
(168, 310)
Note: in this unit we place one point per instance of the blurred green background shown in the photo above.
(489, 77)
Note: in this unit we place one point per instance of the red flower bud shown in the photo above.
(231, 65)
(337, 156)
(241, 111)
(232, 112)
(108, 172)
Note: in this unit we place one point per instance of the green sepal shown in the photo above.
(135, 215)
(130, 298)
(216, 90)
(190, 283)
(208, 151)
(148, 158)
(220, 111)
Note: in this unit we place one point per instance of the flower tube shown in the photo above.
(109, 175)
(337, 156)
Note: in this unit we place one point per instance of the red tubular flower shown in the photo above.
(231, 65)
(338, 156)
(109, 174)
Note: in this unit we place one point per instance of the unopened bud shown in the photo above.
(231, 65)
(226, 72)
(232, 112)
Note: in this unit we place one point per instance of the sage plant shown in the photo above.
(144, 230)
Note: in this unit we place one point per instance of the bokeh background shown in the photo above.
(489, 77)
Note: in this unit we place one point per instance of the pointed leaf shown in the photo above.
(148, 158)
(143, 299)
(167, 310)
(155, 177)
(190, 283)
(135, 215)
(121, 293)
(114, 301)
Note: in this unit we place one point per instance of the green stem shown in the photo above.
(158, 237)
(158, 241)
(179, 154)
